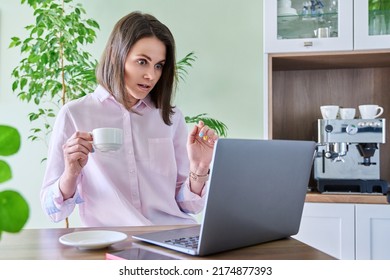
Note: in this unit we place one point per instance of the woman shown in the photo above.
(159, 173)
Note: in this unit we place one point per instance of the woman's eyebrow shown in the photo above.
(145, 56)
(149, 59)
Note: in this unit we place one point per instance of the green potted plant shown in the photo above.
(55, 68)
(14, 210)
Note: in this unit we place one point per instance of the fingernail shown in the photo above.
(205, 138)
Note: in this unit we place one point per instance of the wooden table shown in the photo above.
(43, 244)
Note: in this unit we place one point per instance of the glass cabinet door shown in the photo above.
(372, 24)
(301, 25)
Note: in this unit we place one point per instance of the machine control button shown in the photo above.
(328, 154)
(352, 129)
(328, 128)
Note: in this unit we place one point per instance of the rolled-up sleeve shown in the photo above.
(190, 202)
(54, 204)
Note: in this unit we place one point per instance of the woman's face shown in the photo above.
(143, 67)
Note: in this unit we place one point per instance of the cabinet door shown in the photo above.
(299, 26)
(329, 227)
(372, 24)
(372, 232)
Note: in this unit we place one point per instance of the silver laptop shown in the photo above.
(256, 194)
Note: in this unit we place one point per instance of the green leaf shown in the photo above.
(9, 140)
(35, 130)
(93, 23)
(33, 58)
(33, 116)
(183, 64)
(15, 85)
(15, 42)
(5, 172)
(219, 127)
(14, 211)
(23, 82)
(40, 32)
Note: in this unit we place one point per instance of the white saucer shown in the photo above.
(92, 239)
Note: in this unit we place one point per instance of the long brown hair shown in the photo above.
(111, 69)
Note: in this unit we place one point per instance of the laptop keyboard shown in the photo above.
(186, 242)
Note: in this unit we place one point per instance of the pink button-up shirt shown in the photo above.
(143, 183)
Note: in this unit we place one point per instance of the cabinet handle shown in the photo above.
(307, 44)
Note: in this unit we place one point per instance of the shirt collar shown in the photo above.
(144, 104)
(102, 94)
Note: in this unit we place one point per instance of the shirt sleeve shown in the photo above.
(52, 200)
(188, 201)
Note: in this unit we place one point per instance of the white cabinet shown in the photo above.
(329, 227)
(327, 25)
(347, 231)
(372, 232)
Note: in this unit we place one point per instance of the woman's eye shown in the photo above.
(141, 61)
(159, 66)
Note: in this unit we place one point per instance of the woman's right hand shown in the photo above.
(75, 151)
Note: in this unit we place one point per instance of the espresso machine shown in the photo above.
(348, 156)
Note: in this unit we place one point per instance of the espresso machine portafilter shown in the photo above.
(348, 155)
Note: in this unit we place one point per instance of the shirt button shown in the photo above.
(132, 171)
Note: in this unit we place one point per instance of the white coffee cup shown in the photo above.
(329, 112)
(347, 113)
(370, 111)
(107, 139)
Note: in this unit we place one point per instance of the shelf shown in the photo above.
(296, 27)
(330, 60)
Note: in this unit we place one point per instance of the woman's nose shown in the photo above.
(150, 74)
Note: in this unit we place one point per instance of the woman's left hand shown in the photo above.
(200, 146)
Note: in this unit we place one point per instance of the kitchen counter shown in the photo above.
(362, 198)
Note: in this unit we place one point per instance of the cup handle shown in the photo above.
(380, 111)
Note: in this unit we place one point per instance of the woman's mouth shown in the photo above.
(144, 87)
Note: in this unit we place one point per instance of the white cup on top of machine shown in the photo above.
(347, 113)
(329, 112)
(370, 111)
